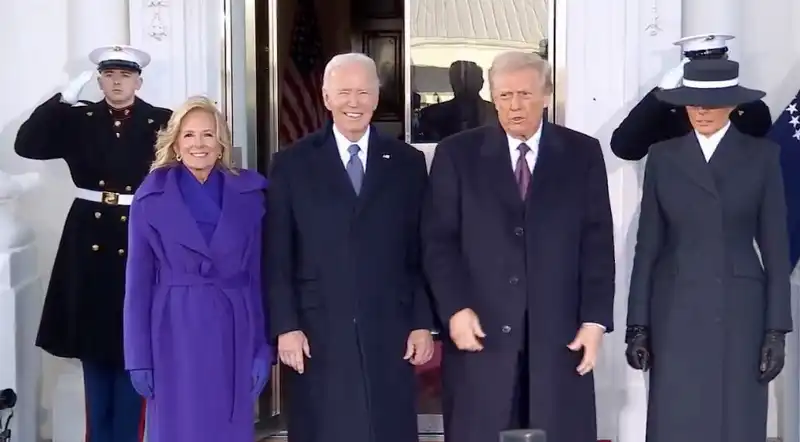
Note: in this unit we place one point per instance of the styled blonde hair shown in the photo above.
(168, 136)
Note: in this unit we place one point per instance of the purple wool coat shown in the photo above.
(193, 308)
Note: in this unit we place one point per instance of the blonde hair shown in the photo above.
(512, 61)
(168, 136)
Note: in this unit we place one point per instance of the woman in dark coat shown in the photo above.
(704, 314)
(195, 340)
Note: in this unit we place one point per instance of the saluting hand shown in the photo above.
(419, 347)
(588, 339)
(293, 349)
(466, 331)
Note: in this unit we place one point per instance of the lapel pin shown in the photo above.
(741, 112)
(386, 156)
(149, 121)
(89, 114)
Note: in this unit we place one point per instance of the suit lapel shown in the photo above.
(551, 160)
(689, 156)
(377, 171)
(499, 171)
(327, 167)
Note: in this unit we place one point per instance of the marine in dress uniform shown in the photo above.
(653, 120)
(108, 146)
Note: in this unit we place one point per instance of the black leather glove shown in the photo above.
(638, 351)
(773, 355)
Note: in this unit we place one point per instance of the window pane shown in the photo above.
(452, 44)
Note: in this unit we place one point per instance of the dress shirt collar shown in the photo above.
(343, 143)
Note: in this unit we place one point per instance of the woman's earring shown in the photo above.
(219, 157)
(178, 158)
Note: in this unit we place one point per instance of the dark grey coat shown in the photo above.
(698, 284)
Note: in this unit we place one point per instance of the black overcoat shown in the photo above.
(345, 269)
(82, 316)
(652, 121)
(551, 258)
(699, 286)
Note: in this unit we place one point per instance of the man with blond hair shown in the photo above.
(518, 248)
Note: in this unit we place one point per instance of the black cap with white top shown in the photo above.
(710, 83)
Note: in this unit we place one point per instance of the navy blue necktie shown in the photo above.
(355, 168)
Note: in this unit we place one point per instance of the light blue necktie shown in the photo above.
(355, 168)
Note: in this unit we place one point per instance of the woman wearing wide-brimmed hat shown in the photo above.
(704, 316)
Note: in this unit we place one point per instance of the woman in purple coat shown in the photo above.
(194, 333)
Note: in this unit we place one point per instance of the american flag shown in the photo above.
(786, 132)
(301, 108)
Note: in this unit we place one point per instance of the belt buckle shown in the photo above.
(110, 198)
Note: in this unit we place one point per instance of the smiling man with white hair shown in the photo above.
(348, 304)
(519, 251)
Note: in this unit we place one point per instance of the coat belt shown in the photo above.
(110, 198)
(232, 282)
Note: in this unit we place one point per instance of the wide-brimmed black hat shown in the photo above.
(710, 83)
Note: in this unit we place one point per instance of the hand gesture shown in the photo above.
(419, 347)
(673, 77)
(588, 339)
(773, 356)
(70, 93)
(466, 331)
(293, 349)
(142, 381)
(637, 353)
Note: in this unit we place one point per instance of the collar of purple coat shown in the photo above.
(244, 181)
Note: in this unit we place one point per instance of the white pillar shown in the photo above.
(20, 295)
(90, 24)
(715, 16)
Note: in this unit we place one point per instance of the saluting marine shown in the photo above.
(652, 120)
(109, 147)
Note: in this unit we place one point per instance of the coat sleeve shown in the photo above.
(283, 309)
(649, 240)
(441, 236)
(755, 119)
(140, 280)
(641, 129)
(773, 243)
(260, 347)
(43, 136)
(423, 310)
(597, 246)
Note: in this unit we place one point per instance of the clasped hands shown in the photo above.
(293, 348)
(467, 334)
(773, 352)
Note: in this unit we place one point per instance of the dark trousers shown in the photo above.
(114, 411)
(520, 409)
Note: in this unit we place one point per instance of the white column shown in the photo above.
(715, 16)
(90, 24)
(186, 40)
(20, 295)
(615, 53)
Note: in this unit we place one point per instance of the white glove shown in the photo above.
(673, 77)
(70, 93)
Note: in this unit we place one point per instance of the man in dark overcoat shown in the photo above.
(706, 315)
(108, 147)
(653, 120)
(347, 300)
(519, 251)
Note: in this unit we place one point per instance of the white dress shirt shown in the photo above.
(343, 144)
(709, 143)
(531, 156)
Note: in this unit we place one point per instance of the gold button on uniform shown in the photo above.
(123, 218)
(95, 247)
(117, 123)
(128, 188)
(101, 183)
(121, 252)
(97, 215)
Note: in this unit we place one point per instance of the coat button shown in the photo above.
(95, 247)
(121, 252)
(513, 280)
(123, 218)
(519, 231)
(128, 188)
(97, 215)
(101, 183)
(506, 329)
